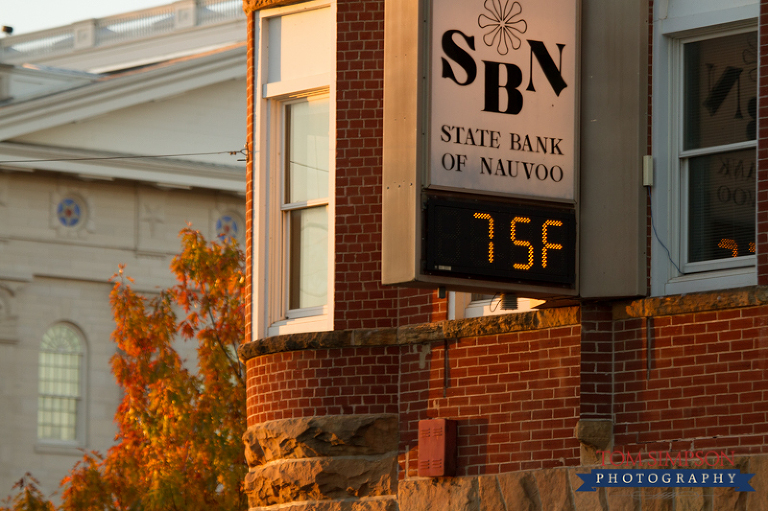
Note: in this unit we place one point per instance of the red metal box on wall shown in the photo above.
(437, 448)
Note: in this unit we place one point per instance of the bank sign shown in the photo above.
(503, 89)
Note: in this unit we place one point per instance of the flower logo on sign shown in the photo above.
(502, 27)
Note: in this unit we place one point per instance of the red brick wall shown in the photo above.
(596, 361)
(707, 387)
(518, 396)
(360, 299)
(515, 396)
(322, 382)
(762, 152)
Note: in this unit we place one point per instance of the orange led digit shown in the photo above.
(545, 241)
(731, 245)
(522, 243)
(486, 216)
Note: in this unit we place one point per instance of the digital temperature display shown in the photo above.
(500, 241)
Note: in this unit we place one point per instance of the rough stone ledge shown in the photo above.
(693, 302)
(385, 503)
(413, 334)
(321, 479)
(331, 435)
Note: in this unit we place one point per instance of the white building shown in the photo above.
(114, 134)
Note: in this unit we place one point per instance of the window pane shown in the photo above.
(307, 150)
(308, 272)
(721, 214)
(720, 91)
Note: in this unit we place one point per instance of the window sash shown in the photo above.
(306, 237)
(58, 418)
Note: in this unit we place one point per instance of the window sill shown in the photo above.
(62, 448)
(711, 281)
(320, 323)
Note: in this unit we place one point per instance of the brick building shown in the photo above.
(659, 346)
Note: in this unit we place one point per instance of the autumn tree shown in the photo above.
(28, 497)
(179, 429)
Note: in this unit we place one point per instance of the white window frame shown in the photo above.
(674, 25)
(52, 444)
(270, 314)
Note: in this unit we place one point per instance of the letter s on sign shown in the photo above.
(460, 56)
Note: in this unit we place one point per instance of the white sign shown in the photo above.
(503, 97)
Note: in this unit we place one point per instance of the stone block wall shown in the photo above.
(556, 489)
(341, 462)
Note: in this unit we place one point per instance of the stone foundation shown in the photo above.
(594, 435)
(348, 463)
(332, 463)
(555, 489)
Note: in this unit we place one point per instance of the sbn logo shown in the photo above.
(493, 89)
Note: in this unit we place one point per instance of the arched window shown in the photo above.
(60, 377)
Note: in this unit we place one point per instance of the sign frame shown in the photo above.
(472, 237)
(406, 183)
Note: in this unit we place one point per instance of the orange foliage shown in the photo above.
(179, 430)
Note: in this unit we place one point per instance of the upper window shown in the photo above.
(718, 149)
(704, 146)
(59, 384)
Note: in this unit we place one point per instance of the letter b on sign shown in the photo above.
(493, 88)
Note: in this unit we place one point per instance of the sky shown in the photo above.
(32, 15)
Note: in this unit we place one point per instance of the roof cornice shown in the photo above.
(123, 90)
(157, 171)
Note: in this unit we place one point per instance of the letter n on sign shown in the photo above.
(437, 448)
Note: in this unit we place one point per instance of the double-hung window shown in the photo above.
(718, 151)
(704, 146)
(294, 169)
